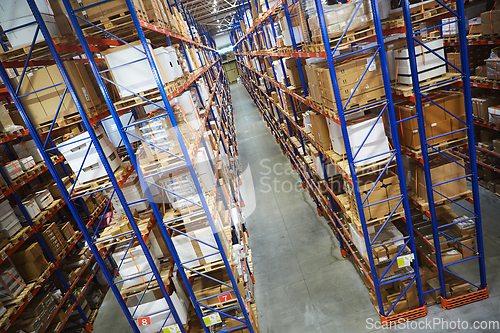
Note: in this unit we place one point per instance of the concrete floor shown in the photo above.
(303, 283)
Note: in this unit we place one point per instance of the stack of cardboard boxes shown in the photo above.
(437, 121)
(37, 313)
(54, 240)
(442, 169)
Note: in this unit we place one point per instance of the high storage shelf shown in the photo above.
(489, 177)
(191, 234)
(334, 179)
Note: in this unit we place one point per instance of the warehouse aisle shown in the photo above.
(303, 283)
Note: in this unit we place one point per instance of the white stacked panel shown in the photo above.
(13, 282)
(363, 146)
(13, 169)
(27, 163)
(112, 130)
(16, 13)
(429, 65)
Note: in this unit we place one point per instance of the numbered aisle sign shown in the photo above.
(224, 298)
(212, 319)
(144, 321)
(172, 329)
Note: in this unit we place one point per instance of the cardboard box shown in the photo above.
(32, 270)
(442, 170)
(27, 253)
(466, 228)
(43, 105)
(434, 284)
(466, 252)
(460, 289)
(319, 129)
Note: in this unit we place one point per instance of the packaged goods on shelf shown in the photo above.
(348, 75)
(490, 22)
(28, 149)
(37, 314)
(134, 263)
(11, 282)
(292, 70)
(180, 187)
(54, 240)
(450, 27)
(9, 223)
(13, 169)
(6, 123)
(169, 68)
(337, 18)
(67, 231)
(30, 261)
(14, 14)
(312, 64)
(131, 74)
(375, 146)
(429, 64)
(494, 114)
(133, 192)
(43, 198)
(160, 133)
(279, 71)
(386, 188)
(81, 154)
(319, 128)
(442, 169)
(156, 312)
(185, 107)
(56, 192)
(493, 68)
(42, 103)
(298, 33)
(31, 207)
(111, 129)
(437, 121)
(27, 163)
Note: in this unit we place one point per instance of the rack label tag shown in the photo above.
(405, 261)
(144, 321)
(224, 298)
(172, 329)
(212, 319)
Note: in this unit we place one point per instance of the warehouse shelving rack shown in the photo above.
(420, 95)
(45, 149)
(332, 207)
(214, 78)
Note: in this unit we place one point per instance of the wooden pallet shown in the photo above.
(354, 36)
(406, 90)
(352, 106)
(442, 147)
(424, 205)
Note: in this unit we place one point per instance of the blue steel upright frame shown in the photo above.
(243, 40)
(421, 95)
(186, 161)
